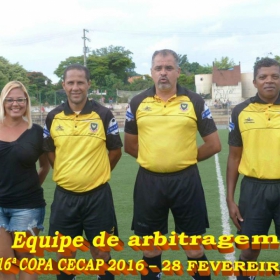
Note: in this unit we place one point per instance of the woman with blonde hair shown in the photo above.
(22, 204)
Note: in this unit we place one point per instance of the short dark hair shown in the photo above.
(265, 62)
(166, 52)
(76, 66)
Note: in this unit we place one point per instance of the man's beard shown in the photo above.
(163, 86)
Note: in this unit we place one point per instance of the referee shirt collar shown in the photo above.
(152, 91)
(257, 99)
(86, 110)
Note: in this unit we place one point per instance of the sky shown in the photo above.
(39, 36)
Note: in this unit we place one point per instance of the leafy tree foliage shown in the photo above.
(63, 64)
(119, 61)
(187, 81)
(40, 89)
(184, 63)
(141, 83)
(277, 57)
(224, 63)
(112, 60)
(60, 96)
(11, 72)
(39, 86)
(99, 68)
(188, 68)
(112, 84)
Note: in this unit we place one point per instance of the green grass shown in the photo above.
(122, 183)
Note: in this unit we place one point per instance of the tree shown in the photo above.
(40, 89)
(11, 72)
(188, 68)
(111, 60)
(98, 68)
(60, 96)
(112, 49)
(140, 84)
(187, 81)
(3, 79)
(63, 64)
(224, 63)
(277, 57)
(206, 69)
(112, 84)
(183, 63)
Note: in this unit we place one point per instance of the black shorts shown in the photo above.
(91, 212)
(259, 204)
(181, 192)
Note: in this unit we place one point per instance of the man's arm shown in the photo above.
(234, 158)
(131, 144)
(114, 156)
(51, 158)
(44, 167)
(211, 146)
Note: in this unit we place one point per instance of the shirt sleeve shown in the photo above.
(234, 137)
(48, 143)
(113, 139)
(205, 122)
(130, 119)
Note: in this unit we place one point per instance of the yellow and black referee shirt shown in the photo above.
(80, 142)
(167, 130)
(255, 126)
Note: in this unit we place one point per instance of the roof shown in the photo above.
(229, 77)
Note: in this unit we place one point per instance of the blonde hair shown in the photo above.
(5, 91)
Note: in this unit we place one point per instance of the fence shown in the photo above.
(39, 118)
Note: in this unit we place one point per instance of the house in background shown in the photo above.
(226, 85)
(133, 78)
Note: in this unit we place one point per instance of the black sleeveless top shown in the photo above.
(19, 181)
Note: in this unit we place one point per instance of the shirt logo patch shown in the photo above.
(147, 109)
(206, 114)
(59, 128)
(113, 127)
(184, 107)
(249, 120)
(129, 116)
(93, 127)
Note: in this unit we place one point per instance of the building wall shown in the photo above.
(235, 93)
(248, 88)
(227, 93)
(203, 83)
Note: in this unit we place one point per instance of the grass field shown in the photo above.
(122, 186)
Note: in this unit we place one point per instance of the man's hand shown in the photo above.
(234, 214)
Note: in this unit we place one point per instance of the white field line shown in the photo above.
(224, 209)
